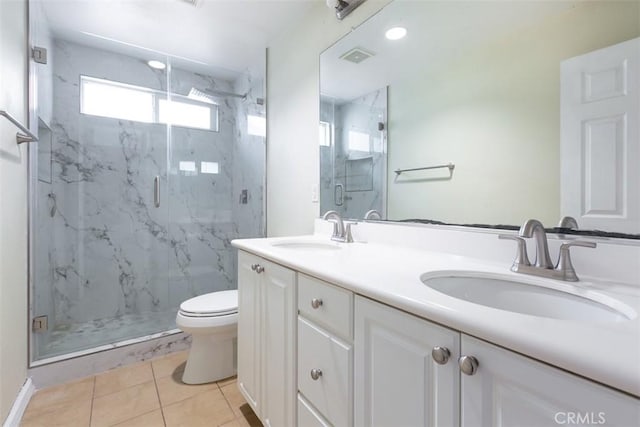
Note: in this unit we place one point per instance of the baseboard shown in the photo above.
(20, 404)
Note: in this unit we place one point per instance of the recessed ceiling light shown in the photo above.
(158, 65)
(395, 33)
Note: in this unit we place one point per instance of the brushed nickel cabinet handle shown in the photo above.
(468, 365)
(316, 374)
(440, 355)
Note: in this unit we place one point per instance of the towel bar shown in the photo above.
(27, 136)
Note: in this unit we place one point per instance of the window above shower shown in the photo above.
(106, 98)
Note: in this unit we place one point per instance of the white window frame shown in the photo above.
(155, 107)
(326, 127)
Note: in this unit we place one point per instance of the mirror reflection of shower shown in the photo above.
(352, 154)
(146, 177)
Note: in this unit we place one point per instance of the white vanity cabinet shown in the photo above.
(314, 354)
(267, 339)
(397, 380)
(509, 389)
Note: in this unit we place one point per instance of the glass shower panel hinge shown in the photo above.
(40, 324)
(39, 54)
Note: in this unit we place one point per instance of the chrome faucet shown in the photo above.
(534, 228)
(341, 231)
(563, 270)
(568, 222)
(372, 215)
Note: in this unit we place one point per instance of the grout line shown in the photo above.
(155, 383)
(93, 396)
(235, 416)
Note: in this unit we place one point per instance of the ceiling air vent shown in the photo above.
(356, 55)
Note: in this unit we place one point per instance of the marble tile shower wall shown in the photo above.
(109, 251)
(250, 157)
(200, 206)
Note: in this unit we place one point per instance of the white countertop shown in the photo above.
(606, 352)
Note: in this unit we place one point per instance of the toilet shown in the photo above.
(212, 321)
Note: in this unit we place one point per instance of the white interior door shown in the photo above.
(600, 130)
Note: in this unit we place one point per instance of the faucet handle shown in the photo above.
(336, 232)
(373, 215)
(564, 266)
(582, 243)
(348, 237)
(521, 255)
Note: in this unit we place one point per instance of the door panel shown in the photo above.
(513, 390)
(249, 348)
(397, 382)
(600, 138)
(278, 286)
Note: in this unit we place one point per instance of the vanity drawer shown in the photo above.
(327, 305)
(330, 361)
(308, 416)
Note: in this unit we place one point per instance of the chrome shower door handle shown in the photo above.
(338, 195)
(156, 191)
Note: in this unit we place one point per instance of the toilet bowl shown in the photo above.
(212, 321)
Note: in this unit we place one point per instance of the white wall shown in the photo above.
(293, 63)
(13, 204)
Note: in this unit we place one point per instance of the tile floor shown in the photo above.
(146, 394)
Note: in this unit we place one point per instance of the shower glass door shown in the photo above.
(101, 247)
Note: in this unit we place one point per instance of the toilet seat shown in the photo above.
(214, 304)
(203, 324)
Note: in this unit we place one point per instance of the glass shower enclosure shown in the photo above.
(353, 135)
(144, 174)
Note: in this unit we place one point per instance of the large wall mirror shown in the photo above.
(486, 113)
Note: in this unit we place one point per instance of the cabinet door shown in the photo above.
(512, 390)
(330, 392)
(279, 315)
(397, 382)
(308, 416)
(249, 349)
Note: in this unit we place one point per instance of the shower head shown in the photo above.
(342, 7)
(199, 95)
(208, 95)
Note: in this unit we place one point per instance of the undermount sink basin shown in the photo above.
(527, 298)
(307, 245)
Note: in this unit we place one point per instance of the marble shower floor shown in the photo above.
(64, 339)
(146, 394)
